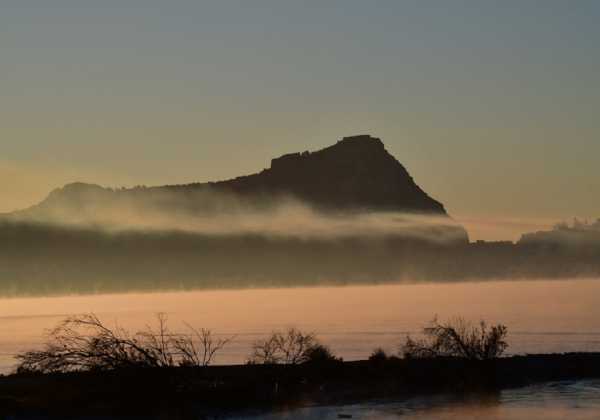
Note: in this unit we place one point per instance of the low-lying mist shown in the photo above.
(217, 213)
(86, 239)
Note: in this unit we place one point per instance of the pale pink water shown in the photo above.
(542, 316)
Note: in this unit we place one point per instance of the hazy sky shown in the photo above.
(493, 106)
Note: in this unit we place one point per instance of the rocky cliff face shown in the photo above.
(356, 174)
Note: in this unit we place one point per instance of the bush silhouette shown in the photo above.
(378, 355)
(458, 338)
(84, 343)
(290, 347)
(321, 354)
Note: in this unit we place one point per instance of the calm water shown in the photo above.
(542, 316)
(552, 401)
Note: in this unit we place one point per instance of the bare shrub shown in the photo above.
(83, 343)
(199, 347)
(378, 355)
(267, 351)
(458, 338)
(289, 347)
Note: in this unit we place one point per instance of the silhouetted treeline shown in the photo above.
(44, 259)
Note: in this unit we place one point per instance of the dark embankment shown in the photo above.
(222, 389)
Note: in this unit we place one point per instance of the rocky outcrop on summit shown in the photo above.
(355, 173)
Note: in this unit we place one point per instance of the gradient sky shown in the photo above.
(493, 106)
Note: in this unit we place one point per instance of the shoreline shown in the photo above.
(220, 389)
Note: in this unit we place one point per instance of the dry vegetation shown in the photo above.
(84, 342)
(291, 347)
(458, 338)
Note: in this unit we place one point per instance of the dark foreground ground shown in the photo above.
(221, 390)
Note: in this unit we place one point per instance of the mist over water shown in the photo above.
(210, 212)
(86, 238)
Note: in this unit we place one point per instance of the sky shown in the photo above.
(492, 106)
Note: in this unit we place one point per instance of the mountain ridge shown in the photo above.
(355, 174)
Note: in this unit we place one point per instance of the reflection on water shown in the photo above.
(542, 316)
(553, 401)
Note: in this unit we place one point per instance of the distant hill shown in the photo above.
(356, 174)
(578, 235)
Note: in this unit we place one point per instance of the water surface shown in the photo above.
(552, 401)
(542, 316)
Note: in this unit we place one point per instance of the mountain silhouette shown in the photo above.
(355, 174)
